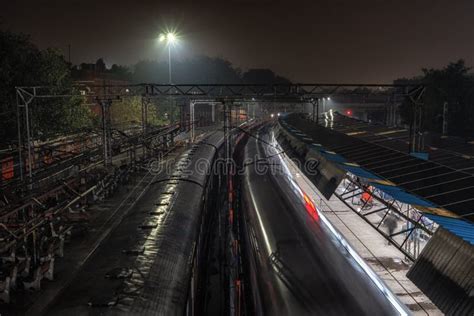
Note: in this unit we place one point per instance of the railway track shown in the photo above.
(113, 219)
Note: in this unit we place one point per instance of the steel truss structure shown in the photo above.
(223, 90)
(104, 95)
(407, 238)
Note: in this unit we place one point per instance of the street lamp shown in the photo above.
(170, 39)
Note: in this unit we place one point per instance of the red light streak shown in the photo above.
(310, 208)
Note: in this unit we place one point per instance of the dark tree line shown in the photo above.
(200, 69)
(23, 64)
(453, 84)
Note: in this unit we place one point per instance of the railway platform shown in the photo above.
(386, 260)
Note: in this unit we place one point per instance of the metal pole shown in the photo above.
(445, 118)
(213, 114)
(28, 139)
(18, 123)
(317, 111)
(143, 118)
(109, 132)
(420, 133)
(169, 60)
(239, 120)
(227, 128)
(144, 124)
(191, 114)
(411, 128)
(394, 114)
(104, 133)
(390, 114)
(415, 129)
(169, 72)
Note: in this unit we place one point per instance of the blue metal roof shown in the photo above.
(360, 172)
(402, 196)
(329, 155)
(459, 227)
(333, 157)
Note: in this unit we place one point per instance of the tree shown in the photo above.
(53, 116)
(263, 76)
(128, 111)
(119, 72)
(452, 84)
(202, 69)
(23, 64)
(100, 65)
(17, 57)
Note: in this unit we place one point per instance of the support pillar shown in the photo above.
(20, 143)
(445, 118)
(106, 132)
(191, 119)
(144, 124)
(213, 113)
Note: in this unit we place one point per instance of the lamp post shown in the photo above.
(170, 39)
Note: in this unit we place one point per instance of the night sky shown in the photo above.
(306, 41)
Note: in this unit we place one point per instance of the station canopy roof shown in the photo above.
(439, 182)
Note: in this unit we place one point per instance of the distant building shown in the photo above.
(93, 77)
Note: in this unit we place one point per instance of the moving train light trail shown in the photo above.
(310, 207)
(286, 163)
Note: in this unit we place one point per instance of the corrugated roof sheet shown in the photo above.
(434, 188)
(442, 185)
(459, 227)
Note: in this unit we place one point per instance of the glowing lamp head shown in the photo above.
(171, 37)
(271, 115)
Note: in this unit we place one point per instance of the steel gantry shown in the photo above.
(105, 94)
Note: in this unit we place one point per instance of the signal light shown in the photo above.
(348, 112)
